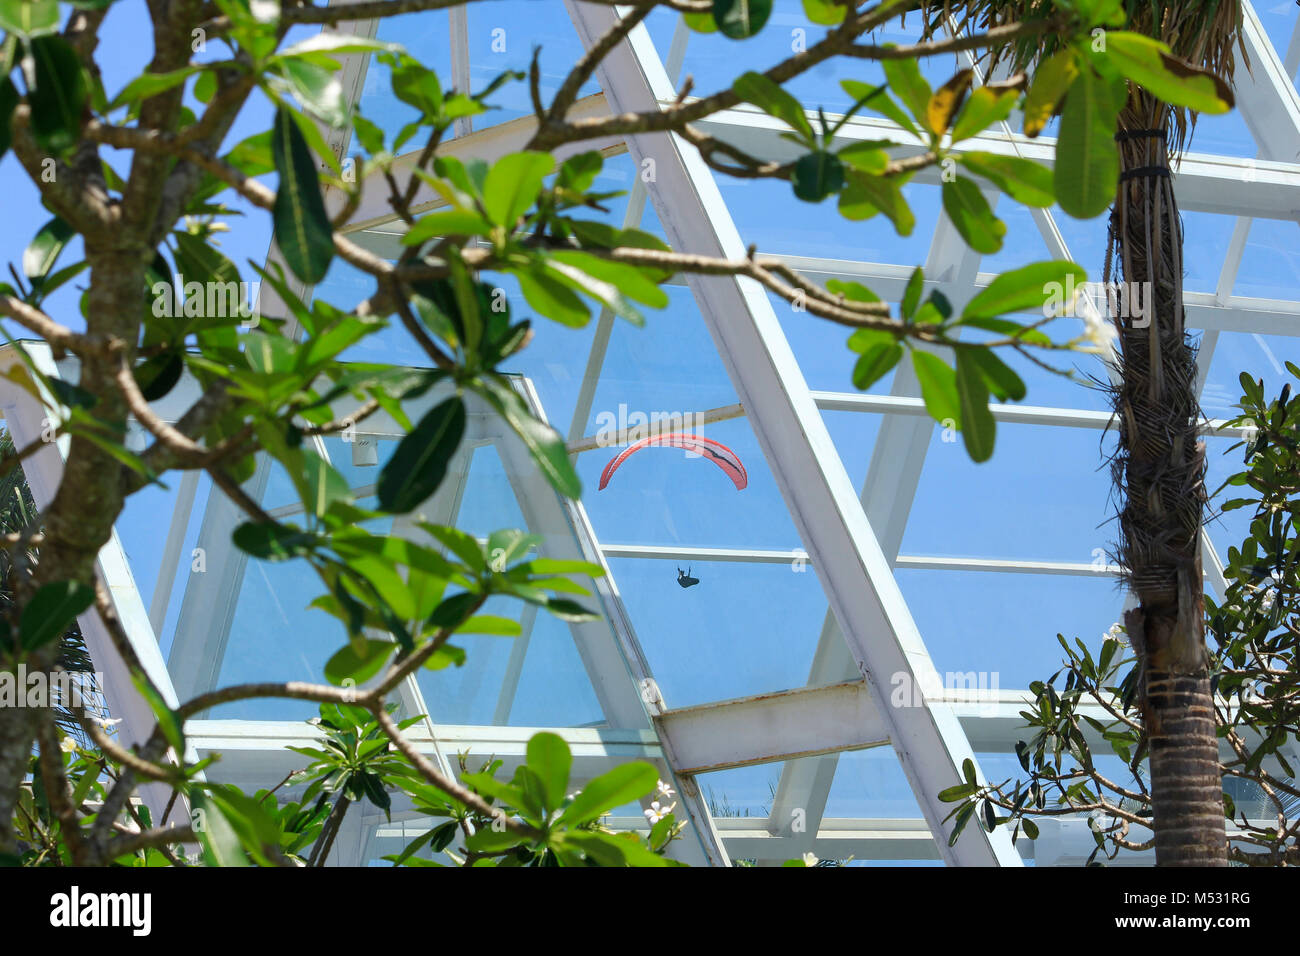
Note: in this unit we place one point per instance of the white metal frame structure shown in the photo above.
(852, 537)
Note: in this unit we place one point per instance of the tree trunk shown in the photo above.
(1159, 470)
(79, 521)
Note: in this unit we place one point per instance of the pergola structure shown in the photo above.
(593, 683)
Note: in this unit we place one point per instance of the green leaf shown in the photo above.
(488, 840)
(273, 542)
(29, 18)
(957, 792)
(700, 22)
(569, 611)
(978, 427)
(513, 184)
(905, 79)
(1051, 81)
(318, 88)
(866, 157)
(302, 228)
(578, 173)
(420, 462)
(855, 291)
(490, 624)
(361, 665)
(972, 216)
(603, 281)
(168, 720)
(59, 94)
(1148, 63)
(772, 99)
(549, 758)
(817, 176)
(543, 442)
(328, 41)
(51, 610)
(1030, 828)
(739, 19)
(158, 375)
(878, 100)
(220, 844)
(912, 293)
(875, 363)
(1022, 179)
(864, 196)
(1000, 378)
(44, 250)
(252, 156)
(369, 135)
(552, 297)
(824, 12)
(984, 107)
(1087, 158)
(880, 352)
(622, 784)
(618, 278)
(1024, 290)
(447, 222)
(151, 84)
(938, 387)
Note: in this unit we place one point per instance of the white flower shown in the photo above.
(68, 745)
(1099, 332)
(657, 812)
(1097, 328)
(810, 859)
(664, 790)
(1116, 632)
(1267, 603)
(107, 723)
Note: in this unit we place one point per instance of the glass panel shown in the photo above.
(1001, 626)
(502, 37)
(1042, 496)
(744, 629)
(1270, 264)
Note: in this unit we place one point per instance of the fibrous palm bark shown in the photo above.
(1159, 465)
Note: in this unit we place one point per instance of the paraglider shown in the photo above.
(684, 578)
(714, 451)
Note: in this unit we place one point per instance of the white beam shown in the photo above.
(769, 727)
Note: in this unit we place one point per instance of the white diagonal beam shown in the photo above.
(893, 475)
(832, 525)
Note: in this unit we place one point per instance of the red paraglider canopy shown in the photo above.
(714, 451)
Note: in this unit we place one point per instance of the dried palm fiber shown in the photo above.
(1159, 466)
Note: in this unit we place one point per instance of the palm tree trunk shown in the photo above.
(1159, 470)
